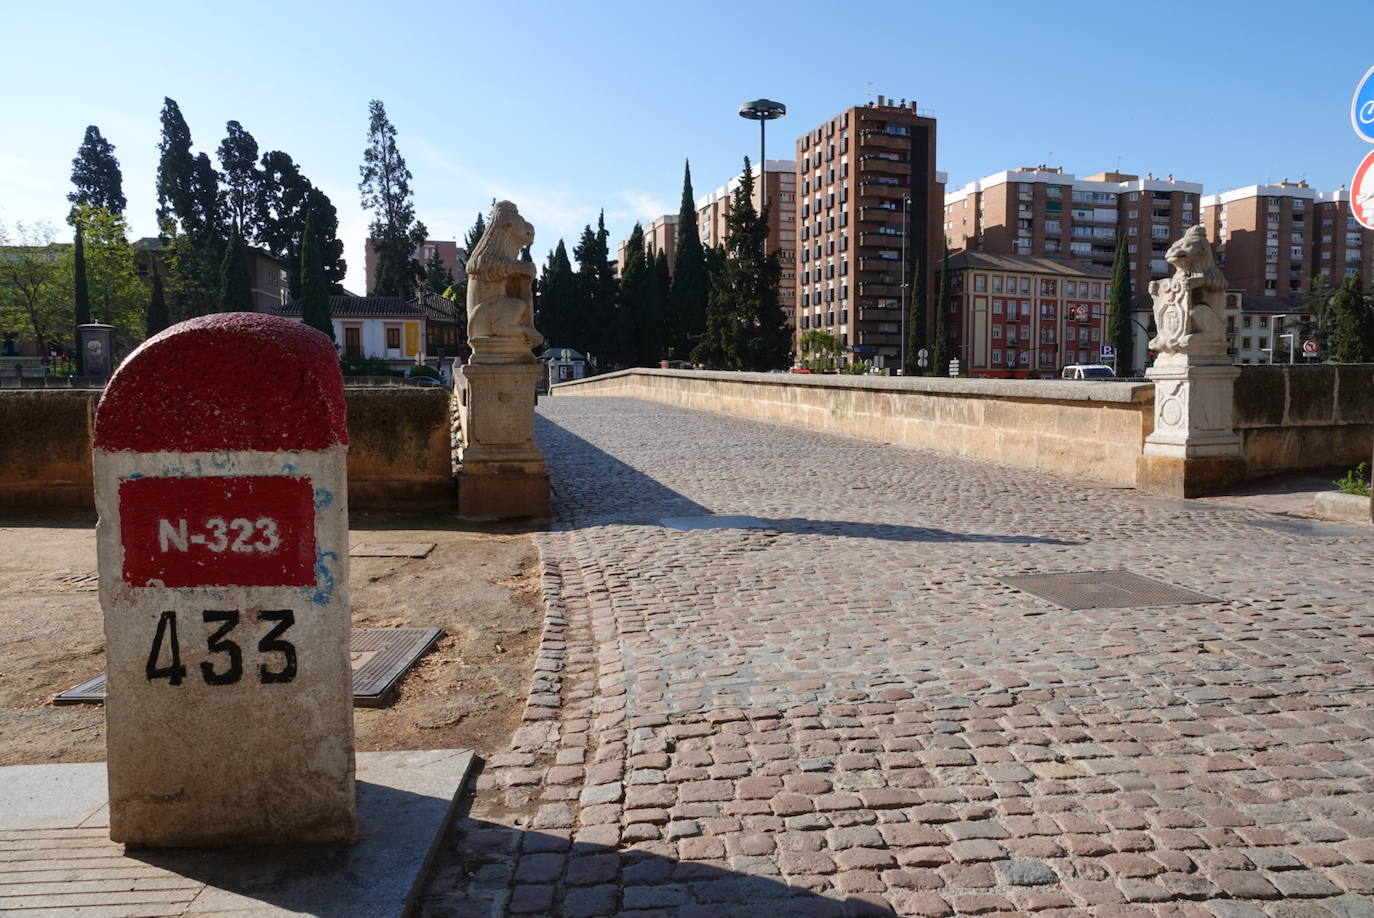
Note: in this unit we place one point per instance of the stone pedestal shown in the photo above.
(503, 473)
(1193, 449)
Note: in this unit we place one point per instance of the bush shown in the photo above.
(423, 369)
(1356, 481)
(855, 369)
(366, 366)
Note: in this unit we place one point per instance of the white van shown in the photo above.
(1087, 371)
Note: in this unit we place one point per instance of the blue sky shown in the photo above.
(568, 108)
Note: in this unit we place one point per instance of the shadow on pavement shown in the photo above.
(591, 487)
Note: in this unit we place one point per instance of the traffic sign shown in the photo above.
(1108, 352)
(1309, 347)
(1362, 107)
(1362, 192)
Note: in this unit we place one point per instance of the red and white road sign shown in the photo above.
(1362, 192)
(1309, 347)
(219, 455)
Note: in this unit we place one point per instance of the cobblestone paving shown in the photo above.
(841, 709)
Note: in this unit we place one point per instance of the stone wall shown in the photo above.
(398, 454)
(1304, 417)
(1089, 430)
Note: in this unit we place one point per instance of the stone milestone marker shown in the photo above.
(503, 471)
(219, 459)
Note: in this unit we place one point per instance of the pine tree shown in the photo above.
(287, 196)
(438, 277)
(558, 300)
(80, 292)
(474, 236)
(1119, 320)
(686, 317)
(745, 325)
(235, 293)
(96, 175)
(314, 287)
(175, 174)
(385, 187)
(241, 200)
(188, 218)
(915, 322)
(597, 286)
(940, 354)
(1351, 333)
(157, 318)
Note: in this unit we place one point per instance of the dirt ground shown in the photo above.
(480, 585)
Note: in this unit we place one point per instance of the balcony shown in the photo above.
(879, 211)
(883, 190)
(880, 237)
(877, 288)
(880, 138)
(886, 166)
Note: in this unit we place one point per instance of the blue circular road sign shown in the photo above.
(1362, 107)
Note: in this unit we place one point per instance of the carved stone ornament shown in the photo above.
(1189, 306)
(500, 291)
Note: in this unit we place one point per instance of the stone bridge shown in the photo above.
(790, 673)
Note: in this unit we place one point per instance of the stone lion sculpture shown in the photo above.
(500, 286)
(1189, 306)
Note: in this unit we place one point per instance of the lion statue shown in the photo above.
(500, 285)
(1189, 306)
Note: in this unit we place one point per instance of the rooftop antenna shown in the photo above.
(1118, 163)
(870, 90)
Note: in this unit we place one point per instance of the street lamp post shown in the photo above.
(1274, 327)
(905, 296)
(762, 111)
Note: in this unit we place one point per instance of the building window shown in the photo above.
(996, 357)
(997, 331)
(997, 285)
(979, 283)
(997, 307)
(393, 339)
(353, 341)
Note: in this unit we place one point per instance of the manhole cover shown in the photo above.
(1313, 529)
(380, 657)
(391, 550)
(685, 523)
(1104, 590)
(83, 581)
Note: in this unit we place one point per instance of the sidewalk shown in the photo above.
(835, 702)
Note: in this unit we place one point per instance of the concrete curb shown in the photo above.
(1336, 505)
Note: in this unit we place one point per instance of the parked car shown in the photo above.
(1087, 371)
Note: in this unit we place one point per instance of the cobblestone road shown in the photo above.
(838, 707)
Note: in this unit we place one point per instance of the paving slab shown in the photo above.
(56, 857)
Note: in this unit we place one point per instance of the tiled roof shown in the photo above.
(356, 307)
(1031, 263)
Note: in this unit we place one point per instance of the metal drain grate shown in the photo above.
(380, 656)
(392, 550)
(686, 523)
(81, 581)
(1104, 590)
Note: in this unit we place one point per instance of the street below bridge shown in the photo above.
(786, 673)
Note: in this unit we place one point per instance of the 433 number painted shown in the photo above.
(279, 664)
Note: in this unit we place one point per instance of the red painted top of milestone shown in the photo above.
(232, 381)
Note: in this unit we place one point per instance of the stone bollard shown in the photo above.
(219, 458)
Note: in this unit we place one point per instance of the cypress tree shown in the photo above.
(80, 293)
(652, 303)
(96, 175)
(1119, 322)
(628, 350)
(314, 287)
(558, 302)
(915, 321)
(157, 318)
(235, 293)
(241, 201)
(438, 277)
(175, 172)
(940, 353)
(686, 313)
(596, 294)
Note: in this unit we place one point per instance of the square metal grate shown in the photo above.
(1104, 590)
(380, 657)
(686, 523)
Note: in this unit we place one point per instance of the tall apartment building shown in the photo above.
(451, 256)
(1043, 211)
(1263, 236)
(1341, 247)
(868, 193)
(780, 184)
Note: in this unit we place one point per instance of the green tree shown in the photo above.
(558, 300)
(385, 187)
(157, 318)
(658, 283)
(81, 294)
(1317, 304)
(96, 175)
(287, 196)
(1352, 335)
(915, 322)
(314, 287)
(686, 318)
(745, 325)
(438, 277)
(115, 295)
(940, 355)
(35, 285)
(597, 286)
(1119, 325)
(241, 197)
(235, 293)
(629, 303)
(474, 235)
(188, 218)
(820, 350)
